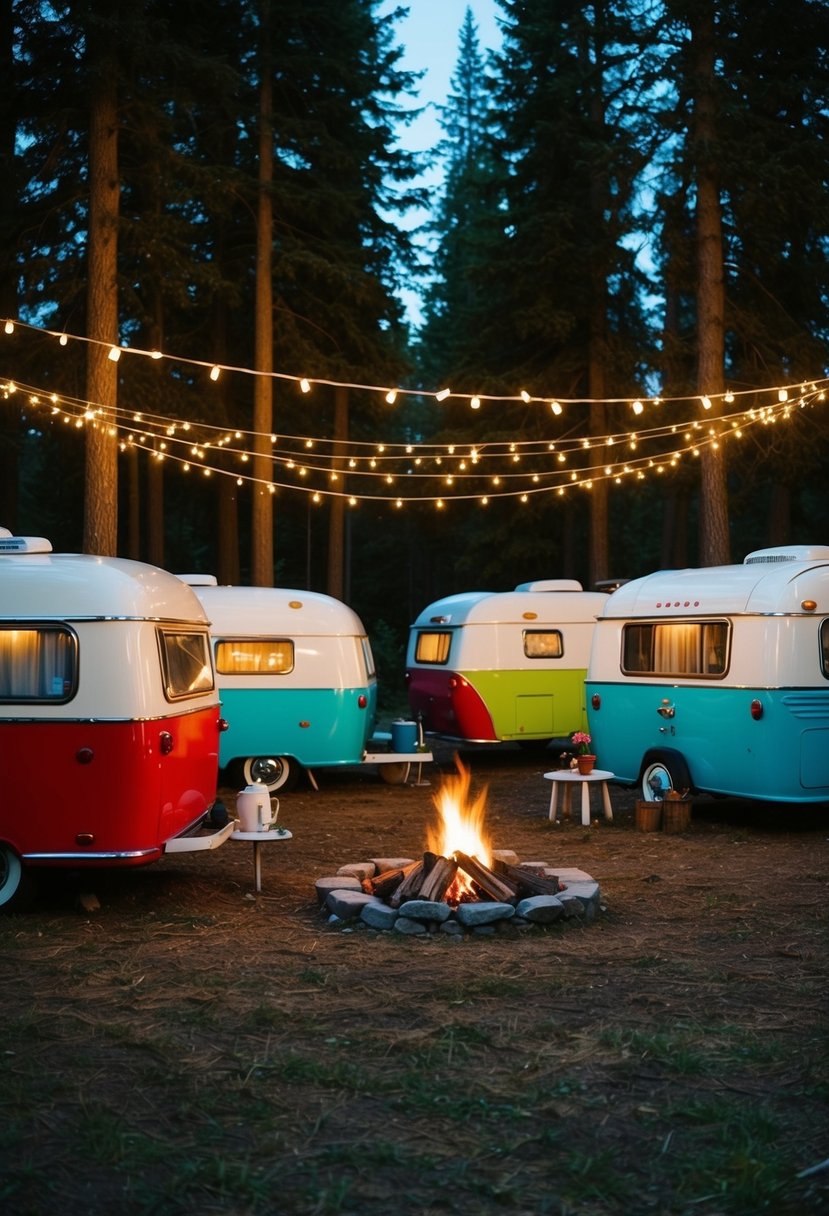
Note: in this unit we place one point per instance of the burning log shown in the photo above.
(439, 879)
(494, 887)
(527, 881)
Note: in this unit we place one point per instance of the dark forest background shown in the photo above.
(634, 193)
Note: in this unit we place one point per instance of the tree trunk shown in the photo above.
(599, 555)
(336, 519)
(261, 556)
(101, 474)
(714, 540)
(10, 428)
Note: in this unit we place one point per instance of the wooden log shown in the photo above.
(409, 888)
(492, 886)
(382, 885)
(525, 880)
(439, 879)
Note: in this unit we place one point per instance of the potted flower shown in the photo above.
(585, 759)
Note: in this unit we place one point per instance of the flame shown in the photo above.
(461, 825)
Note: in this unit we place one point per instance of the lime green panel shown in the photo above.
(532, 704)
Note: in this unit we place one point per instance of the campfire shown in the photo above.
(461, 882)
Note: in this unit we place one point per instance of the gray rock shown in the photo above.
(587, 892)
(483, 913)
(573, 906)
(570, 874)
(378, 915)
(405, 924)
(347, 904)
(541, 909)
(342, 882)
(451, 928)
(425, 909)
(359, 869)
(505, 855)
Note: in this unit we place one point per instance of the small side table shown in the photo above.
(567, 778)
(258, 839)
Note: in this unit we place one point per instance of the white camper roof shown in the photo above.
(266, 611)
(768, 581)
(544, 607)
(36, 583)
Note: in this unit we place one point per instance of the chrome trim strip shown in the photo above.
(114, 856)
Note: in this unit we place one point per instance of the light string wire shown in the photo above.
(391, 393)
(158, 436)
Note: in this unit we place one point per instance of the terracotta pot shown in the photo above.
(586, 764)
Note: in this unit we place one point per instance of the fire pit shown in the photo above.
(460, 885)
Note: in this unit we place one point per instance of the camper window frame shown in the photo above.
(545, 633)
(263, 673)
(432, 633)
(675, 673)
(172, 692)
(73, 654)
(823, 637)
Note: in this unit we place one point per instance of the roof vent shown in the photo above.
(788, 553)
(551, 584)
(23, 544)
(199, 580)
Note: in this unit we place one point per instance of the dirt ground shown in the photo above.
(192, 1047)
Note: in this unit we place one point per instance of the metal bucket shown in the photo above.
(404, 736)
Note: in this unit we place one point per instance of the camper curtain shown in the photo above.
(36, 664)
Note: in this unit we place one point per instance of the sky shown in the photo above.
(430, 36)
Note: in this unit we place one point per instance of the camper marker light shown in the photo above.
(808, 605)
(295, 603)
(756, 710)
(362, 700)
(530, 616)
(596, 701)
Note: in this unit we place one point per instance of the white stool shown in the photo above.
(566, 778)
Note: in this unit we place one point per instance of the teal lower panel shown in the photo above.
(782, 756)
(317, 726)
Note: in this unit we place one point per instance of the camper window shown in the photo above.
(433, 647)
(543, 644)
(185, 661)
(255, 657)
(368, 657)
(824, 645)
(676, 648)
(38, 663)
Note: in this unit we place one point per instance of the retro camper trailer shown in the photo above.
(297, 681)
(109, 715)
(717, 680)
(486, 667)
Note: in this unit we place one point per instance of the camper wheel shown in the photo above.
(662, 771)
(278, 773)
(16, 884)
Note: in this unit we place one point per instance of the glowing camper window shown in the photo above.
(543, 644)
(255, 657)
(676, 648)
(433, 647)
(185, 661)
(38, 663)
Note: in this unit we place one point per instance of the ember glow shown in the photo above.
(461, 825)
